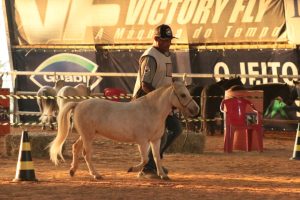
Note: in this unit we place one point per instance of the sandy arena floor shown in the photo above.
(212, 175)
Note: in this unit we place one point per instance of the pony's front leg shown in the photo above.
(143, 148)
(155, 146)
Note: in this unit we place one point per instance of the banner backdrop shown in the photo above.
(254, 62)
(260, 62)
(292, 17)
(230, 62)
(132, 21)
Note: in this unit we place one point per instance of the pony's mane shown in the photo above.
(158, 90)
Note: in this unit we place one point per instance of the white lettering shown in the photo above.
(41, 29)
(119, 33)
(207, 33)
(99, 34)
(243, 72)
(186, 12)
(140, 34)
(221, 68)
(276, 31)
(145, 12)
(218, 10)
(249, 9)
(228, 28)
(264, 71)
(130, 34)
(202, 12)
(172, 11)
(264, 32)
(251, 32)
(197, 32)
(179, 33)
(289, 66)
(263, 5)
(238, 32)
(154, 16)
(75, 79)
(97, 15)
(238, 7)
(274, 68)
(252, 69)
(134, 10)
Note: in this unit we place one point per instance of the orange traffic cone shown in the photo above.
(296, 154)
(25, 171)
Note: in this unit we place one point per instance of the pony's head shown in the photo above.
(288, 94)
(231, 82)
(59, 84)
(82, 89)
(182, 100)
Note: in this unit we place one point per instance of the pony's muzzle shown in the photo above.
(192, 110)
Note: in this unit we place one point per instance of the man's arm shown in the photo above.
(148, 69)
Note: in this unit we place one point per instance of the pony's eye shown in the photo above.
(182, 95)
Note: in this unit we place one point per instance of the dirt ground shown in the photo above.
(211, 175)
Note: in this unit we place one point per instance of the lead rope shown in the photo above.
(187, 132)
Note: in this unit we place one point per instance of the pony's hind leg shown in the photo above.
(143, 148)
(50, 122)
(76, 149)
(87, 145)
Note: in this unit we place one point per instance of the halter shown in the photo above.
(191, 99)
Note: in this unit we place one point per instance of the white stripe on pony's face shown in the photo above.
(183, 100)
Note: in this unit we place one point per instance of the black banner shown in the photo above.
(247, 62)
(230, 62)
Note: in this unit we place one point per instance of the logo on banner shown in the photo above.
(65, 62)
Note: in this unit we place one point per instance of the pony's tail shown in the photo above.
(63, 129)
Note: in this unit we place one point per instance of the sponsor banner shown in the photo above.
(40, 61)
(247, 62)
(133, 21)
(292, 15)
(47, 61)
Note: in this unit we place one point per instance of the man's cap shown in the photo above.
(164, 32)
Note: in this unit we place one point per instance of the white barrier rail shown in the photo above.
(117, 74)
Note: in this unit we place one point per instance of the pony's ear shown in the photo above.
(178, 83)
(59, 83)
(177, 79)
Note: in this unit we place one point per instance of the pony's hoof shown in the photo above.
(166, 178)
(72, 173)
(130, 169)
(97, 177)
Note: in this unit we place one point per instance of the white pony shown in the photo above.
(79, 90)
(48, 107)
(141, 121)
